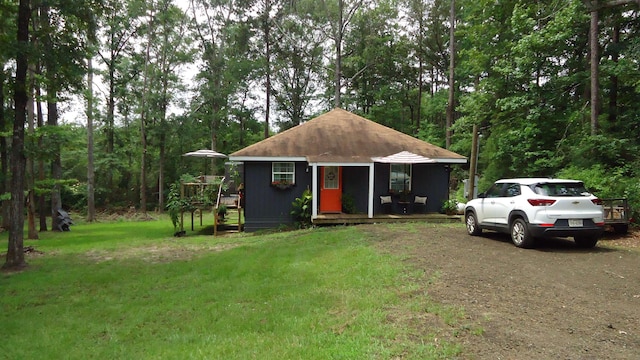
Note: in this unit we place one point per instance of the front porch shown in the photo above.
(352, 219)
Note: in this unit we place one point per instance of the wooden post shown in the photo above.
(215, 220)
(181, 209)
(474, 163)
(239, 216)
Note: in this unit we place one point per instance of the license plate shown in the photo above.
(575, 223)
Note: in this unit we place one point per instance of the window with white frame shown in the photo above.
(400, 179)
(283, 173)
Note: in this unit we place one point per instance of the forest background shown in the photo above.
(159, 78)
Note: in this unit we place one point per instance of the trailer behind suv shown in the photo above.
(616, 214)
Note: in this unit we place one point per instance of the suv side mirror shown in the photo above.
(482, 196)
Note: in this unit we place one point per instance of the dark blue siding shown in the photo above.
(431, 180)
(265, 206)
(355, 182)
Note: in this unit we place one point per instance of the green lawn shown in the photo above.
(129, 290)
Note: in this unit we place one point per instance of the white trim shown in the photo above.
(291, 173)
(371, 180)
(327, 163)
(451, 161)
(314, 191)
(340, 164)
(268, 158)
(303, 158)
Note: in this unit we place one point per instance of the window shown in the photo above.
(283, 173)
(494, 191)
(513, 190)
(400, 179)
(561, 189)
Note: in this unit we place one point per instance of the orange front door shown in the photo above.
(331, 189)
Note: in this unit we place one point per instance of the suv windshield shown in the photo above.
(560, 189)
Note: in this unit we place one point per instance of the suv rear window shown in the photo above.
(560, 189)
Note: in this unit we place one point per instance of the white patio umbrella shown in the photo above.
(404, 157)
(206, 153)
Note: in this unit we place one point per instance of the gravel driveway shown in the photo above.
(552, 302)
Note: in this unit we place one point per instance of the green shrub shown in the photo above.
(302, 210)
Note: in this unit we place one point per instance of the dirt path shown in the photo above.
(553, 302)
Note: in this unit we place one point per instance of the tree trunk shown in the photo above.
(42, 199)
(594, 60)
(613, 91)
(32, 233)
(91, 176)
(144, 113)
(109, 128)
(4, 156)
(452, 62)
(15, 251)
(56, 164)
(339, 29)
(267, 42)
(420, 86)
(51, 76)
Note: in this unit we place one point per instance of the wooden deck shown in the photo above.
(351, 219)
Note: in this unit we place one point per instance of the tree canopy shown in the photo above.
(174, 76)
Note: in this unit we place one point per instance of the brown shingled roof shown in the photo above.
(342, 137)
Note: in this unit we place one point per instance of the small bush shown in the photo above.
(302, 210)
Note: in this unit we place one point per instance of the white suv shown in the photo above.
(536, 207)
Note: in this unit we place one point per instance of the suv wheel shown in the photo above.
(472, 224)
(586, 242)
(520, 234)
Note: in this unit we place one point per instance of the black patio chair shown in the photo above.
(419, 204)
(386, 204)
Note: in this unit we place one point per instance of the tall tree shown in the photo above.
(224, 37)
(595, 7)
(15, 253)
(144, 101)
(333, 18)
(173, 50)
(452, 65)
(117, 29)
(32, 233)
(64, 29)
(91, 175)
(417, 18)
(7, 45)
(297, 67)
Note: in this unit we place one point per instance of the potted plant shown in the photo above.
(282, 184)
(450, 206)
(222, 211)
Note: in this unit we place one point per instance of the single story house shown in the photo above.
(340, 155)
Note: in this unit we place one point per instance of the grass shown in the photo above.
(128, 290)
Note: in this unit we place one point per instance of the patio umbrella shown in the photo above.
(205, 153)
(404, 157)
